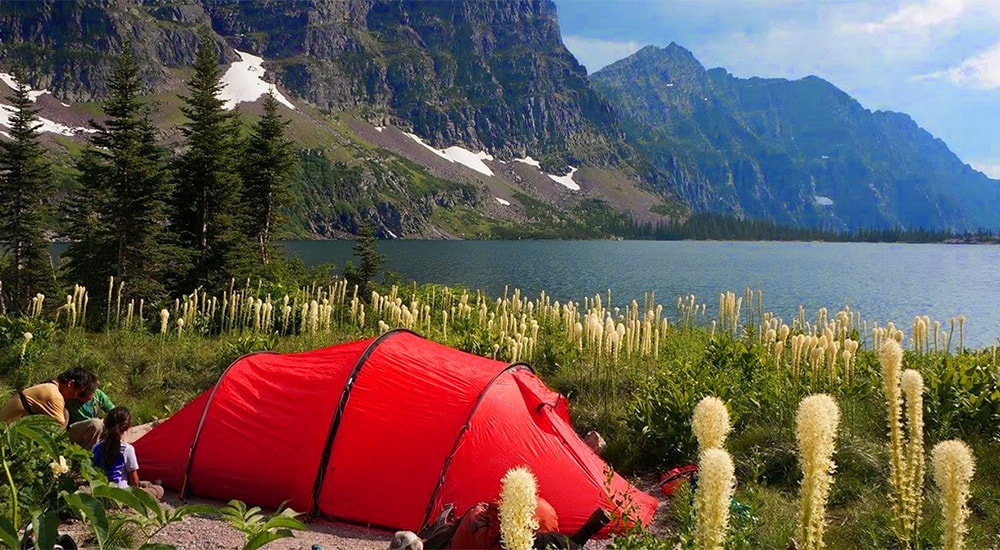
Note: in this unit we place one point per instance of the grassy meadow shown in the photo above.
(633, 371)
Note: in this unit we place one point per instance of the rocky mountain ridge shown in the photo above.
(646, 140)
(797, 152)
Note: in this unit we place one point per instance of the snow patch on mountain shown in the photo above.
(459, 155)
(529, 161)
(823, 201)
(567, 180)
(11, 83)
(45, 125)
(501, 201)
(244, 82)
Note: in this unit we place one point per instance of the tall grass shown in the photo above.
(633, 369)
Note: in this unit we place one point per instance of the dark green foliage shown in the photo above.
(266, 168)
(118, 218)
(208, 218)
(366, 250)
(28, 447)
(25, 191)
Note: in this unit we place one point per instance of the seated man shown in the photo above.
(49, 398)
(85, 424)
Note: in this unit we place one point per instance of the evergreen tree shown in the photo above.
(366, 251)
(267, 165)
(118, 218)
(25, 191)
(207, 212)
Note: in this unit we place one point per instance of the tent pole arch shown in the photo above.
(461, 433)
(204, 415)
(339, 413)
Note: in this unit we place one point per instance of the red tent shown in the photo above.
(384, 431)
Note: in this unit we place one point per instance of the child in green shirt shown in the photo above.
(85, 424)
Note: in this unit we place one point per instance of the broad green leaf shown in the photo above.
(92, 511)
(157, 546)
(38, 429)
(121, 496)
(150, 504)
(266, 537)
(46, 528)
(180, 512)
(8, 534)
(282, 521)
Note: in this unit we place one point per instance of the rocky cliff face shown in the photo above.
(68, 47)
(494, 75)
(798, 152)
(490, 75)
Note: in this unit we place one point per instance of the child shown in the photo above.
(117, 458)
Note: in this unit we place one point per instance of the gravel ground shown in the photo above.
(197, 533)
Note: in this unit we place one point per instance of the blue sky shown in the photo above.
(936, 60)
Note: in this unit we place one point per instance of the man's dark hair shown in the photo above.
(81, 377)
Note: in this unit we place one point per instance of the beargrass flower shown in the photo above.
(816, 432)
(954, 466)
(710, 423)
(891, 357)
(518, 496)
(59, 467)
(24, 345)
(912, 385)
(716, 481)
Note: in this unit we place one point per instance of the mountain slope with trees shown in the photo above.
(383, 87)
(798, 152)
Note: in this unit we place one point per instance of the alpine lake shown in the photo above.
(883, 282)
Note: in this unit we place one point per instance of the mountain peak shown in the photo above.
(670, 60)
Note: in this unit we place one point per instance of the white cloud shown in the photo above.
(990, 168)
(918, 16)
(597, 53)
(981, 71)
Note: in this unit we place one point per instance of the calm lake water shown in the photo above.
(886, 282)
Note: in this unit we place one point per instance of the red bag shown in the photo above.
(479, 528)
(673, 479)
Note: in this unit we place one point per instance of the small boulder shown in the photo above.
(594, 440)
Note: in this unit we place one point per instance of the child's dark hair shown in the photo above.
(80, 377)
(116, 423)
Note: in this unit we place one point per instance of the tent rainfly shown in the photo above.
(384, 432)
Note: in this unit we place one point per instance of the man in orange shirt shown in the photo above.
(49, 398)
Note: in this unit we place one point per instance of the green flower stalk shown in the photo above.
(913, 388)
(716, 481)
(517, 509)
(954, 466)
(816, 432)
(710, 423)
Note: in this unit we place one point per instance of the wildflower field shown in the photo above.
(635, 371)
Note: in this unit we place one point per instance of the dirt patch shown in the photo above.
(201, 533)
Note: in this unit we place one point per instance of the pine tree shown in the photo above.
(207, 211)
(268, 162)
(366, 250)
(119, 216)
(25, 191)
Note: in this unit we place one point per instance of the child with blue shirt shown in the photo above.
(117, 458)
